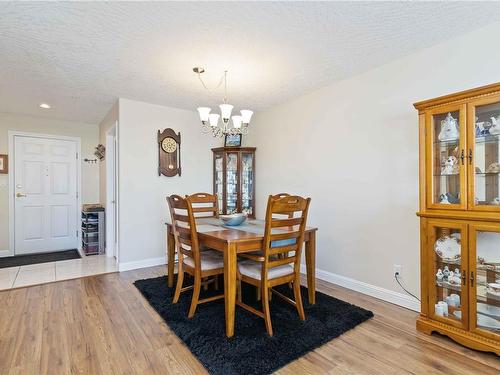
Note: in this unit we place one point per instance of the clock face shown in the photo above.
(169, 145)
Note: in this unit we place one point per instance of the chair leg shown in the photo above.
(238, 290)
(298, 298)
(267, 314)
(205, 285)
(196, 296)
(180, 280)
(216, 282)
(257, 294)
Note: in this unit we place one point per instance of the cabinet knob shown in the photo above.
(470, 155)
(471, 278)
(464, 278)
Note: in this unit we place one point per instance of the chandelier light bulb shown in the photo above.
(203, 112)
(225, 111)
(214, 119)
(237, 122)
(246, 116)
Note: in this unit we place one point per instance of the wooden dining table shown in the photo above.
(233, 241)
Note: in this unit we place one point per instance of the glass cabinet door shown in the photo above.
(484, 154)
(485, 280)
(232, 182)
(446, 169)
(219, 180)
(247, 186)
(447, 254)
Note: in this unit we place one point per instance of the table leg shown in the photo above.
(230, 287)
(311, 267)
(170, 257)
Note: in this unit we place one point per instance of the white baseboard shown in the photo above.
(127, 266)
(387, 295)
(5, 253)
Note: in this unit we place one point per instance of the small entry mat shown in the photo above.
(24, 260)
(251, 351)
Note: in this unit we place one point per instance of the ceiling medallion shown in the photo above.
(210, 121)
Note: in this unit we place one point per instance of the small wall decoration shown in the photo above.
(169, 153)
(100, 151)
(4, 164)
(232, 140)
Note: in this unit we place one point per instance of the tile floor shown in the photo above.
(14, 277)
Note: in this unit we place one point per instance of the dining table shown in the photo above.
(234, 240)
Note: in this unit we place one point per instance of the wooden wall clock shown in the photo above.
(169, 153)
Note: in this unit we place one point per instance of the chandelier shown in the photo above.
(210, 121)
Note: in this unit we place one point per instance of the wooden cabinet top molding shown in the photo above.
(458, 97)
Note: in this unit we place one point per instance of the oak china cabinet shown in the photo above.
(234, 179)
(460, 217)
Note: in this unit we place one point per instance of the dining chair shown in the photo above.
(283, 235)
(199, 264)
(204, 204)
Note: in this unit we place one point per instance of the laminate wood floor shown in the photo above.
(102, 325)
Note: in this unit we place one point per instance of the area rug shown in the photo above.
(251, 350)
(23, 260)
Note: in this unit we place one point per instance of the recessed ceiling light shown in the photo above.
(44, 106)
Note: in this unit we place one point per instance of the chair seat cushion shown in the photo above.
(210, 260)
(253, 269)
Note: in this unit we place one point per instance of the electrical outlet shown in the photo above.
(397, 269)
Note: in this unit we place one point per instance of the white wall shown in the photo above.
(89, 134)
(142, 204)
(353, 148)
(105, 125)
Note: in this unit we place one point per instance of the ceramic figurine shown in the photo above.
(495, 201)
(454, 279)
(457, 271)
(450, 166)
(479, 128)
(493, 168)
(452, 198)
(449, 129)
(478, 170)
(444, 305)
(443, 199)
(439, 275)
(495, 125)
(446, 272)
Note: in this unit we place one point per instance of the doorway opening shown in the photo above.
(112, 248)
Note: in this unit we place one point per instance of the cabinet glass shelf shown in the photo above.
(488, 139)
(453, 142)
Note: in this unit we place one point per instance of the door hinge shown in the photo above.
(77, 232)
(76, 195)
(77, 156)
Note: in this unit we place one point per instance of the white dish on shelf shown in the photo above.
(493, 288)
(448, 248)
(483, 321)
(490, 310)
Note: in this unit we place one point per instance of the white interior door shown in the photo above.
(45, 208)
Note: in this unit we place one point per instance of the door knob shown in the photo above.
(20, 195)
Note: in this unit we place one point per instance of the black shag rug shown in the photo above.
(23, 260)
(251, 350)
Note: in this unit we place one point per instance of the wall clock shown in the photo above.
(169, 153)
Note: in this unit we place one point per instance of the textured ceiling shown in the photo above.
(80, 57)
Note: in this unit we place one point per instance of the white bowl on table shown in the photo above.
(233, 219)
